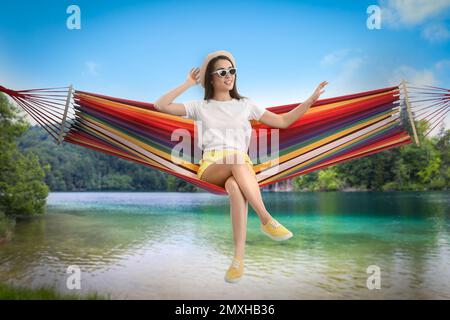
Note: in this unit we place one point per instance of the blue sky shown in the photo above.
(283, 49)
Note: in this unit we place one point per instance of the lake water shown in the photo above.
(179, 245)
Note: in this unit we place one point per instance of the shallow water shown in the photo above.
(179, 245)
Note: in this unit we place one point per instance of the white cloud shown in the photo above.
(334, 57)
(343, 69)
(436, 33)
(443, 64)
(347, 77)
(428, 15)
(411, 12)
(428, 76)
(412, 75)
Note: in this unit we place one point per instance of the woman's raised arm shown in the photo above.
(164, 104)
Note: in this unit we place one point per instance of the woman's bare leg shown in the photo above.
(219, 173)
(239, 213)
(250, 188)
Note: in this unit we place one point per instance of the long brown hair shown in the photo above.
(209, 89)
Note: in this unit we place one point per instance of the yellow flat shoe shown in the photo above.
(275, 230)
(235, 271)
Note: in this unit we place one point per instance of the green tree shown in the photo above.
(443, 145)
(117, 181)
(22, 187)
(304, 181)
(329, 180)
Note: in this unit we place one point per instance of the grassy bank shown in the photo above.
(8, 292)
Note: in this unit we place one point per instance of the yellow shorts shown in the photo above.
(223, 156)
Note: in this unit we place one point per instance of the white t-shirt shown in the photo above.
(223, 124)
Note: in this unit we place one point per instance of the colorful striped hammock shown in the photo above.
(333, 130)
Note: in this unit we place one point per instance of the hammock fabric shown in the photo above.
(332, 131)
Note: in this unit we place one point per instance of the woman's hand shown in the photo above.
(193, 77)
(319, 90)
(290, 117)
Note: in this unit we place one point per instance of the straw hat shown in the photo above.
(211, 56)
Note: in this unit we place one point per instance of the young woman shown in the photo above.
(225, 161)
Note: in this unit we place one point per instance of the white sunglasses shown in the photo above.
(223, 72)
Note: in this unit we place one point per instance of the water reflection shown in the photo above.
(171, 245)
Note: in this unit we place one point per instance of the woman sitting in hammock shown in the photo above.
(225, 161)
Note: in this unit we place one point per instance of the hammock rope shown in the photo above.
(431, 105)
(332, 131)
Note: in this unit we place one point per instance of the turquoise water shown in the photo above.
(179, 245)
